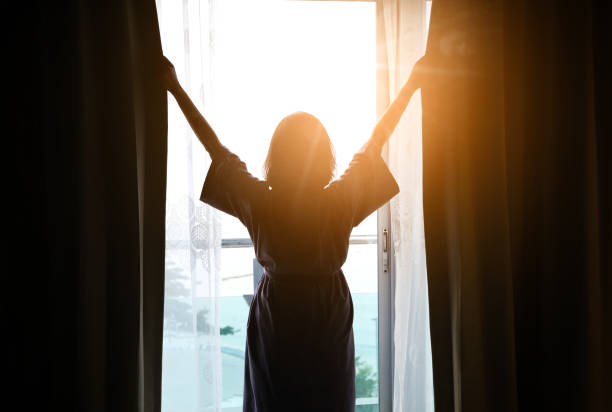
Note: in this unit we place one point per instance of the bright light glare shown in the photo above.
(273, 58)
(247, 64)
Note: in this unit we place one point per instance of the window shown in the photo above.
(313, 56)
(258, 61)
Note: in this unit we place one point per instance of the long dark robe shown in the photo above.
(300, 353)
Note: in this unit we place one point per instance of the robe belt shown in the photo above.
(292, 277)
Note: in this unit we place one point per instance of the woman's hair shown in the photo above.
(300, 154)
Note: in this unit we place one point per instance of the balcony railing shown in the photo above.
(246, 242)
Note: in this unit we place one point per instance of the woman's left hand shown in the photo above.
(168, 75)
(419, 71)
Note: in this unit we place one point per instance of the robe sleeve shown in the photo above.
(365, 186)
(230, 188)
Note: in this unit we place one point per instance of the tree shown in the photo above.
(365, 383)
(177, 312)
(202, 324)
(228, 330)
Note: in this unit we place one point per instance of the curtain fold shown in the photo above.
(122, 190)
(192, 341)
(516, 193)
(402, 30)
(90, 156)
(150, 126)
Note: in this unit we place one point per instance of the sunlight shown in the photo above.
(247, 65)
(281, 57)
(254, 62)
(277, 57)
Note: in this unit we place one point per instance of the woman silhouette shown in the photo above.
(300, 353)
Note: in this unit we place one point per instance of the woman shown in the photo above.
(299, 350)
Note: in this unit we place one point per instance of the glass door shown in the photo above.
(264, 60)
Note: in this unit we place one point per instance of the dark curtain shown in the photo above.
(86, 218)
(517, 185)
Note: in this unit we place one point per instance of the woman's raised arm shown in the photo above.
(198, 123)
(387, 123)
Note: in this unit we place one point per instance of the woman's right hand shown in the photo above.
(168, 75)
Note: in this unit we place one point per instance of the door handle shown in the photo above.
(385, 246)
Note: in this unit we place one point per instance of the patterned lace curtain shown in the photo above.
(402, 29)
(191, 352)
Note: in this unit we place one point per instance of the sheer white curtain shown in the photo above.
(402, 28)
(191, 353)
